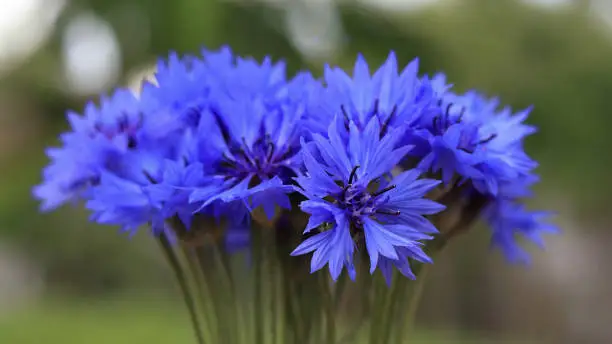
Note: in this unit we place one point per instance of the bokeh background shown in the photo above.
(65, 281)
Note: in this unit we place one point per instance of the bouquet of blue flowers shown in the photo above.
(253, 182)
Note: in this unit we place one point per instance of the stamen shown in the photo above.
(385, 126)
(287, 154)
(488, 139)
(448, 108)
(352, 175)
(376, 103)
(346, 116)
(460, 118)
(131, 142)
(149, 177)
(222, 127)
(271, 148)
(246, 152)
(246, 147)
(389, 212)
(388, 188)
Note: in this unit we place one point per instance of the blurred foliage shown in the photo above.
(560, 61)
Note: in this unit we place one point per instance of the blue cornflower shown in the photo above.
(507, 218)
(97, 139)
(352, 196)
(217, 136)
(249, 136)
(469, 138)
(451, 151)
(164, 194)
(392, 97)
(179, 91)
(493, 160)
(122, 202)
(182, 86)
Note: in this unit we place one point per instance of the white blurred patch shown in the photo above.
(549, 2)
(91, 54)
(24, 27)
(314, 27)
(399, 5)
(602, 9)
(137, 76)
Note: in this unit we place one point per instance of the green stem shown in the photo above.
(278, 303)
(350, 336)
(206, 298)
(391, 300)
(258, 314)
(294, 311)
(380, 301)
(231, 307)
(415, 299)
(182, 280)
(329, 305)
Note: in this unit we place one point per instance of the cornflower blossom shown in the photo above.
(464, 140)
(217, 136)
(352, 196)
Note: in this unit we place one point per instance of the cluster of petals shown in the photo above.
(219, 136)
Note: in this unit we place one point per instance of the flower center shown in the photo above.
(123, 126)
(263, 158)
(470, 137)
(359, 200)
(375, 112)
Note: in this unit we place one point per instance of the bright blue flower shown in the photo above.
(165, 194)
(352, 196)
(172, 190)
(488, 152)
(452, 151)
(470, 139)
(249, 136)
(96, 140)
(391, 96)
(217, 135)
(183, 86)
(507, 218)
(117, 201)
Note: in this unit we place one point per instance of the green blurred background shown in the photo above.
(65, 281)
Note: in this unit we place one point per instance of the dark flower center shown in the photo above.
(375, 112)
(470, 137)
(123, 126)
(82, 183)
(443, 120)
(264, 157)
(362, 201)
